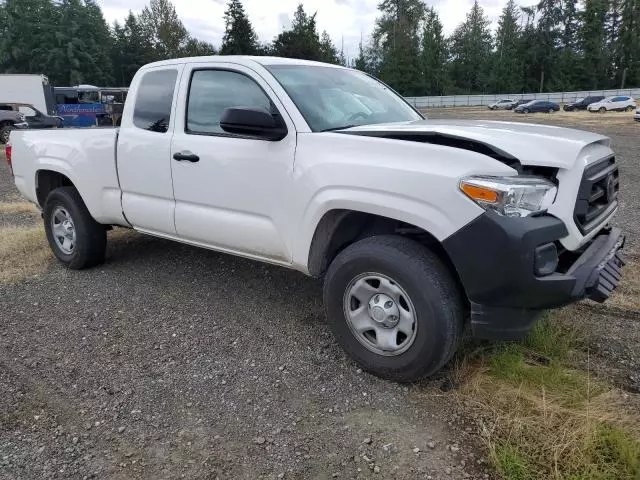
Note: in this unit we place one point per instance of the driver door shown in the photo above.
(231, 191)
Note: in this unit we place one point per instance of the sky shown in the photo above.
(344, 20)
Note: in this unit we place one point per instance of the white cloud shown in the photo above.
(345, 20)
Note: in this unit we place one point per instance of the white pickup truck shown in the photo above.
(418, 227)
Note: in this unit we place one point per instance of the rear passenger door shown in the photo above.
(143, 151)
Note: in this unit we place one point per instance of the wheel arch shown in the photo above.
(48, 180)
(339, 228)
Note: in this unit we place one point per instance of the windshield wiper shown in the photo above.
(338, 128)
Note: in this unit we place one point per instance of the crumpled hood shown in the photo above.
(530, 144)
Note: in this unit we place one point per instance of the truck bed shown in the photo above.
(87, 157)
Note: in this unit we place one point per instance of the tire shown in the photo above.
(551, 110)
(5, 131)
(526, 110)
(629, 108)
(433, 300)
(88, 245)
(602, 110)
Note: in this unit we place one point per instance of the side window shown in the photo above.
(152, 110)
(27, 111)
(212, 91)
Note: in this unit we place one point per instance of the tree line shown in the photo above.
(556, 45)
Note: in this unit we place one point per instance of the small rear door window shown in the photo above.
(153, 103)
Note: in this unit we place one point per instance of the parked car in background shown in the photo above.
(522, 102)
(9, 120)
(582, 103)
(636, 117)
(620, 103)
(504, 104)
(537, 106)
(34, 117)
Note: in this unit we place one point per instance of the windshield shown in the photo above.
(333, 98)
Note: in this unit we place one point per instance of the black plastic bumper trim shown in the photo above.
(495, 259)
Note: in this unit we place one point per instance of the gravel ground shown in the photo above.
(170, 361)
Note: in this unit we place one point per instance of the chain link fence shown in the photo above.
(483, 100)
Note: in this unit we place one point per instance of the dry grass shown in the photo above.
(627, 295)
(24, 253)
(18, 207)
(541, 419)
(566, 118)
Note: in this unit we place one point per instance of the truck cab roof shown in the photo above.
(241, 59)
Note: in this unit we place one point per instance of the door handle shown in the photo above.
(186, 156)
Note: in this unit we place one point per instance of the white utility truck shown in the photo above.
(418, 227)
(28, 89)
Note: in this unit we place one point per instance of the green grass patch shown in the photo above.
(543, 418)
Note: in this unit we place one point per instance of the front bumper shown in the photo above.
(495, 258)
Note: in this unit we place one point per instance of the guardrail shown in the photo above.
(480, 100)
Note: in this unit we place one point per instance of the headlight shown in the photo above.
(510, 196)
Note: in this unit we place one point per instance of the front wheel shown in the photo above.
(76, 239)
(602, 110)
(394, 307)
(629, 108)
(526, 110)
(551, 110)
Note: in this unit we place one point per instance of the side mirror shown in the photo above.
(256, 122)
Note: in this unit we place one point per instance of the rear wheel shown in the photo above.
(551, 110)
(76, 239)
(394, 307)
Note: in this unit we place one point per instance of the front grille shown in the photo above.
(598, 194)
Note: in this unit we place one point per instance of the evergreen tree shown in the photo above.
(198, 48)
(396, 39)
(28, 27)
(239, 37)
(629, 44)
(163, 29)
(302, 41)
(507, 63)
(528, 51)
(360, 62)
(131, 49)
(549, 21)
(433, 56)
(470, 49)
(612, 39)
(569, 69)
(593, 42)
(328, 52)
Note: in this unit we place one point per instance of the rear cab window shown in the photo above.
(152, 110)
